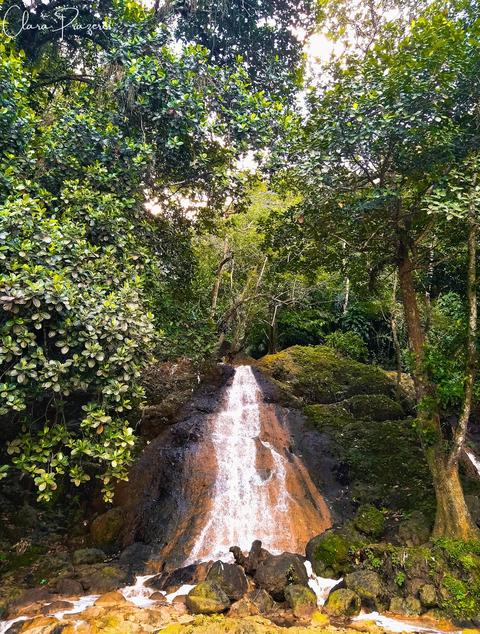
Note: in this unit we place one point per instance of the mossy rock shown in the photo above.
(329, 553)
(414, 530)
(376, 407)
(368, 585)
(301, 599)
(343, 602)
(207, 598)
(107, 527)
(356, 406)
(369, 520)
(318, 374)
(409, 606)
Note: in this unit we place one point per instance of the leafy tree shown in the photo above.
(377, 141)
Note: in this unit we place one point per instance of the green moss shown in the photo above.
(462, 599)
(318, 374)
(354, 404)
(369, 520)
(374, 407)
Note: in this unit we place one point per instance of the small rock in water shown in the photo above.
(39, 625)
(207, 598)
(56, 606)
(110, 599)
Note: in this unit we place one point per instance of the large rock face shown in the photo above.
(172, 480)
(278, 571)
(355, 418)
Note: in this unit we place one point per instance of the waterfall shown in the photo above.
(259, 491)
(474, 460)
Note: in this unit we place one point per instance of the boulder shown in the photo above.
(135, 556)
(40, 625)
(410, 606)
(343, 602)
(302, 600)
(415, 530)
(56, 606)
(110, 599)
(97, 579)
(278, 571)
(107, 527)
(230, 578)
(369, 521)
(188, 575)
(329, 553)
(85, 556)
(262, 600)
(368, 585)
(243, 607)
(68, 587)
(428, 595)
(207, 598)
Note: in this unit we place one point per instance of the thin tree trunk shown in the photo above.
(452, 516)
(471, 361)
(218, 278)
(273, 333)
(394, 329)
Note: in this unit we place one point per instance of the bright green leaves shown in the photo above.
(73, 324)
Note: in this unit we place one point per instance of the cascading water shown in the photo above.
(259, 491)
(474, 460)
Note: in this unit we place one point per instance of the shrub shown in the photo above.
(350, 344)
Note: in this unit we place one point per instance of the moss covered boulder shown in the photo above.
(301, 600)
(329, 552)
(343, 602)
(357, 408)
(368, 585)
(318, 374)
(278, 571)
(369, 521)
(207, 598)
(230, 578)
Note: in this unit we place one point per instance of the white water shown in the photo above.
(139, 593)
(474, 460)
(242, 508)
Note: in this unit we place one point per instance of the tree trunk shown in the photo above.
(471, 361)
(452, 516)
(273, 333)
(394, 329)
(218, 278)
